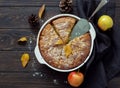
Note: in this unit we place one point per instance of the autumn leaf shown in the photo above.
(25, 59)
(22, 40)
(41, 11)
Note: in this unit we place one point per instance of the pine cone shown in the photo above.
(34, 21)
(65, 6)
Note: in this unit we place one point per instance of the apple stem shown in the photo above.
(78, 70)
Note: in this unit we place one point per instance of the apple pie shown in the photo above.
(55, 48)
(63, 27)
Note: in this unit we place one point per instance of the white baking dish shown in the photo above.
(41, 59)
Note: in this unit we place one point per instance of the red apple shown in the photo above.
(75, 79)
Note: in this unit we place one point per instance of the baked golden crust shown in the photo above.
(77, 49)
(64, 27)
(48, 37)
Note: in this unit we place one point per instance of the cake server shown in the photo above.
(101, 4)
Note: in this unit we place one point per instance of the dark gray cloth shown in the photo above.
(104, 63)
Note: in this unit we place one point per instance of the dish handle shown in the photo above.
(92, 30)
(38, 55)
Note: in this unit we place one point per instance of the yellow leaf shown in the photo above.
(24, 59)
(59, 42)
(41, 11)
(23, 39)
(67, 49)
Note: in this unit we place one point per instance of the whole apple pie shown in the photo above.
(56, 48)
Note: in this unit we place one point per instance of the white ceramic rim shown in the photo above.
(39, 56)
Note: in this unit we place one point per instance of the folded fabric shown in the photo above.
(104, 63)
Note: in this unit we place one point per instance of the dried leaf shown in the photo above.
(41, 11)
(22, 40)
(59, 42)
(67, 49)
(24, 59)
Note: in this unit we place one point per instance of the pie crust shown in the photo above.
(59, 53)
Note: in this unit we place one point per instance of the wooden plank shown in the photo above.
(31, 2)
(35, 74)
(28, 3)
(39, 80)
(9, 39)
(10, 62)
(31, 80)
(17, 17)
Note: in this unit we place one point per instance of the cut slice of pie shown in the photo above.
(63, 26)
(49, 38)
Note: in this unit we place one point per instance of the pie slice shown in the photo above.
(63, 26)
(79, 45)
(49, 38)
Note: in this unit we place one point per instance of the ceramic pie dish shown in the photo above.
(54, 50)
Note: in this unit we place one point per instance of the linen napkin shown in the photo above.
(104, 63)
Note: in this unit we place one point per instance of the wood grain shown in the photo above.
(13, 25)
(9, 39)
(16, 17)
(31, 3)
(29, 80)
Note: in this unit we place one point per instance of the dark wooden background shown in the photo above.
(13, 25)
